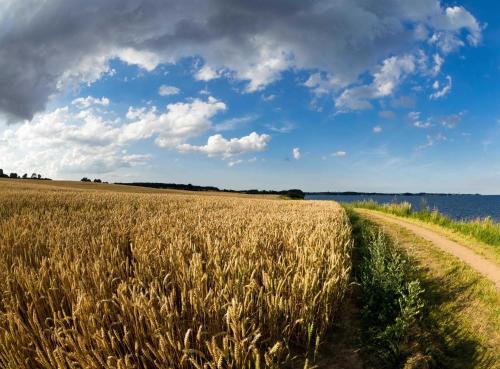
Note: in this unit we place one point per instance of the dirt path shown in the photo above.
(487, 268)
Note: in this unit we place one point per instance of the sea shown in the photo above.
(460, 207)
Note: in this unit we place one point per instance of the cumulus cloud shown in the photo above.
(86, 102)
(296, 153)
(455, 18)
(254, 42)
(377, 129)
(206, 73)
(180, 122)
(143, 58)
(63, 141)
(217, 145)
(324, 84)
(168, 90)
(69, 140)
(385, 80)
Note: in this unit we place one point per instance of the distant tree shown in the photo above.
(39, 176)
(13, 175)
(97, 180)
(25, 175)
(33, 176)
(85, 179)
(1, 172)
(295, 194)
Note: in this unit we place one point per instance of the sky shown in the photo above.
(321, 95)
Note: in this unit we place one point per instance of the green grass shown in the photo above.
(484, 230)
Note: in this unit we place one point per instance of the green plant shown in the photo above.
(392, 301)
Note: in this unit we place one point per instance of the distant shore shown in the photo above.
(191, 187)
(352, 193)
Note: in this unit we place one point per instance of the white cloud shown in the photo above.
(206, 73)
(448, 27)
(414, 115)
(168, 90)
(415, 118)
(86, 102)
(355, 99)
(422, 123)
(444, 91)
(217, 145)
(265, 67)
(385, 81)
(438, 63)
(145, 59)
(446, 42)
(233, 163)
(180, 122)
(377, 129)
(391, 72)
(339, 154)
(322, 85)
(457, 18)
(62, 142)
(89, 141)
(296, 153)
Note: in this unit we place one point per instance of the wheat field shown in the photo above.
(104, 279)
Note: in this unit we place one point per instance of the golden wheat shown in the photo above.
(125, 280)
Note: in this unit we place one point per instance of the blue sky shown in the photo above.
(337, 96)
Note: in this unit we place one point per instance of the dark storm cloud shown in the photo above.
(47, 44)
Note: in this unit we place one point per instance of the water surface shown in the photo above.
(454, 206)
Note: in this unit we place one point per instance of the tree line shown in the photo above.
(292, 193)
(96, 180)
(14, 175)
